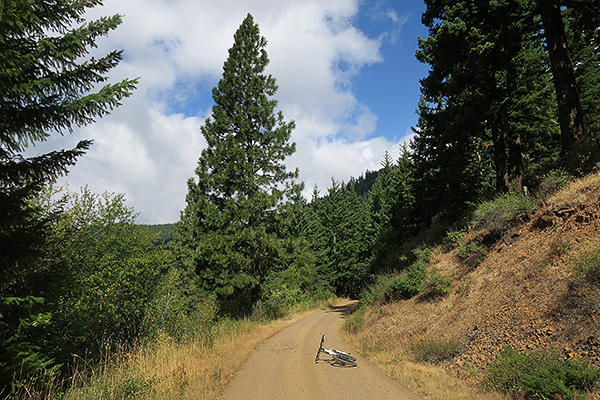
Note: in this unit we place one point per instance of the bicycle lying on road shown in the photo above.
(338, 356)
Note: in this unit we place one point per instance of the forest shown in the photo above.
(510, 108)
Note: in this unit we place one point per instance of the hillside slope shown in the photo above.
(527, 293)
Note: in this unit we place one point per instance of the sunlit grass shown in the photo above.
(396, 357)
(164, 369)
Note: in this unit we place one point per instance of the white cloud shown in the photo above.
(148, 153)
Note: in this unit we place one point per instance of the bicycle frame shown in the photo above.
(338, 356)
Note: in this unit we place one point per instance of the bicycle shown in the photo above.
(338, 357)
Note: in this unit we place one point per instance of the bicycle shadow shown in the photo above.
(335, 363)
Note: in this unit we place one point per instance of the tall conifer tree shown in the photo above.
(47, 84)
(487, 101)
(230, 232)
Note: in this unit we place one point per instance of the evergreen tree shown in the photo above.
(583, 35)
(570, 112)
(230, 233)
(392, 202)
(46, 86)
(486, 102)
(363, 184)
(343, 244)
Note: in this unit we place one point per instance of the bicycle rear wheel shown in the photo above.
(345, 359)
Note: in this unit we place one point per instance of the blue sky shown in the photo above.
(391, 87)
(346, 73)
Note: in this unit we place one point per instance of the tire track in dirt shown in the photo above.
(283, 367)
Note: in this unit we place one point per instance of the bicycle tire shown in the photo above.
(347, 356)
(345, 359)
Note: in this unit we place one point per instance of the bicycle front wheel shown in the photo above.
(344, 355)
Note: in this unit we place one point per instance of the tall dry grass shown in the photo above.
(197, 369)
(394, 356)
(389, 344)
(578, 193)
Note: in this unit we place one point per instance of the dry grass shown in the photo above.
(184, 371)
(165, 370)
(386, 340)
(518, 296)
(580, 192)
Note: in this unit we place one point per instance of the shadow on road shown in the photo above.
(345, 309)
(334, 363)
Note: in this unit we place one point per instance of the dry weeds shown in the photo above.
(521, 295)
(181, 370)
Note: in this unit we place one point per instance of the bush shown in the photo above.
(435, 284)
(435, 350)
(397, 286)
(455, 238)
(354, 323)
(176, 314)
(497, 215)
(472, 253)
(588, 265)
(541, 375)
(408, 283)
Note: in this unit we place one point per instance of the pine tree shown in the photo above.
(392, 202)
(486, 101)
(344, 240)
(46, 87)
(230, 233)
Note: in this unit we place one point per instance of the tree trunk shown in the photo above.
(515, 164)
(570, 114)
(502, 183)
(515, 148)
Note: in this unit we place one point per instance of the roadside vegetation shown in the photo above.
(473, 249)
(449, 336)
(195, 366)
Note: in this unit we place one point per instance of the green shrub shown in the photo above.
(455, 238)
(354, 323)
(435, 350)
(541, 375)
(588, 265)
(435, 284)
(403, 285)
(497, 215)
(376, 292)
(408, 283)
(472, 253)
(175, 314)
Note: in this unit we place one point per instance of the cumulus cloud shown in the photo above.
(149, 147)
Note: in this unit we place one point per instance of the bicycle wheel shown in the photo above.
(345, 359)
(344, 355)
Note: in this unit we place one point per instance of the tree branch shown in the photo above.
(580, 3)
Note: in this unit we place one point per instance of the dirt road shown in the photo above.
(283, 367)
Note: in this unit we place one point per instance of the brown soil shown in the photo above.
(284, 367)
(525, 294)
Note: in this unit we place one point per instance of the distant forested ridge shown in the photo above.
(362, 185)
(165, 230)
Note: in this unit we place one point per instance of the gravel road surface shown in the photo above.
(283, 367)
